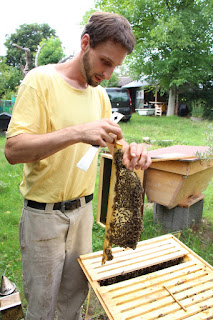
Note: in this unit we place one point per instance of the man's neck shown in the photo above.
(70, 72)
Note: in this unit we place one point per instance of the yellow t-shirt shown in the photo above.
(47, 103)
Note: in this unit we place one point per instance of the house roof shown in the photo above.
(123, 81)
(5, 115)
(136, 84)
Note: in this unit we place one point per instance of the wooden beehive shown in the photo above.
(177, 182)
(170, 281)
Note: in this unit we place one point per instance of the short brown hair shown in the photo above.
(103, 26)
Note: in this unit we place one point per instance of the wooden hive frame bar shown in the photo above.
(110, 205)
(110, 197)
(104, 185)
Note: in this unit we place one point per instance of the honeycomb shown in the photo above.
(126, 222)
(140, 272)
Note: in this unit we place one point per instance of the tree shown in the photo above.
(174, 40)
(26, 36)
(112, 82)
(51, 51)
(9, 79)
(25, 69)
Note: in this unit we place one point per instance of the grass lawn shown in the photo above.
(180, 130)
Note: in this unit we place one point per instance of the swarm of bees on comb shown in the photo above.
(126, 222)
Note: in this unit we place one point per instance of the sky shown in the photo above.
(63, 15)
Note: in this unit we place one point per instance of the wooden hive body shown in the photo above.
(173, 182)
(180, 291)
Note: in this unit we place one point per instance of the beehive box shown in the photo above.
(160, 279)
(177, 182)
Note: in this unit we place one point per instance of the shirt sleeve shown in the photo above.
(29, 113)
(106, 111)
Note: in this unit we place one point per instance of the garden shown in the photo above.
(177, 130)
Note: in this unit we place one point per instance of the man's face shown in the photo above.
(99, 63)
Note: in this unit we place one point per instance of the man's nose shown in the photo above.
(108, 73)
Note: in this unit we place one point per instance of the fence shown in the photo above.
(7, 105)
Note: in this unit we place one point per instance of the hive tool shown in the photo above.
(85, 162)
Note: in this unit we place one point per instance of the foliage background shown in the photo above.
(174, 43)
(26, 36)
(174, 49)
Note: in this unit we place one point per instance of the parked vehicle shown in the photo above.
(121, 101)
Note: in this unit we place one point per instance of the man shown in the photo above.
(60, 111)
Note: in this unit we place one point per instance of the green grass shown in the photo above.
(179, 130)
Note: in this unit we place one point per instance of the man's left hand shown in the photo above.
(136, 156)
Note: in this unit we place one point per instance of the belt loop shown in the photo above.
(49, 207)
(82, 201)
(63, 207)
(25, 203)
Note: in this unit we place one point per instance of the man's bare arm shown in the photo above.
(33, 147)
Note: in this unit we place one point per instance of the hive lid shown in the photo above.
(189, 151)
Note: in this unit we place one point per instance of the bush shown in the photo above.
(208, 112)
(190, 94)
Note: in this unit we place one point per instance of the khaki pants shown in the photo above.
(51, 242)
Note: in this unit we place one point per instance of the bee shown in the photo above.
(126, 224)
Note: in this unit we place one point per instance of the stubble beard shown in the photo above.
(87, 70)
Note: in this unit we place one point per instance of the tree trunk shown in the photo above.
(171, 103)
(25, 69)
(37, 54)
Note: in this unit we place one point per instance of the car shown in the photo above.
(121, 101)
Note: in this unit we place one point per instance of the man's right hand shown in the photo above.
(101, 132)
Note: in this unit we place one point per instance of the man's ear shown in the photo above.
(85, 42)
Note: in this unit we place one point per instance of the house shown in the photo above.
(140, 93)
